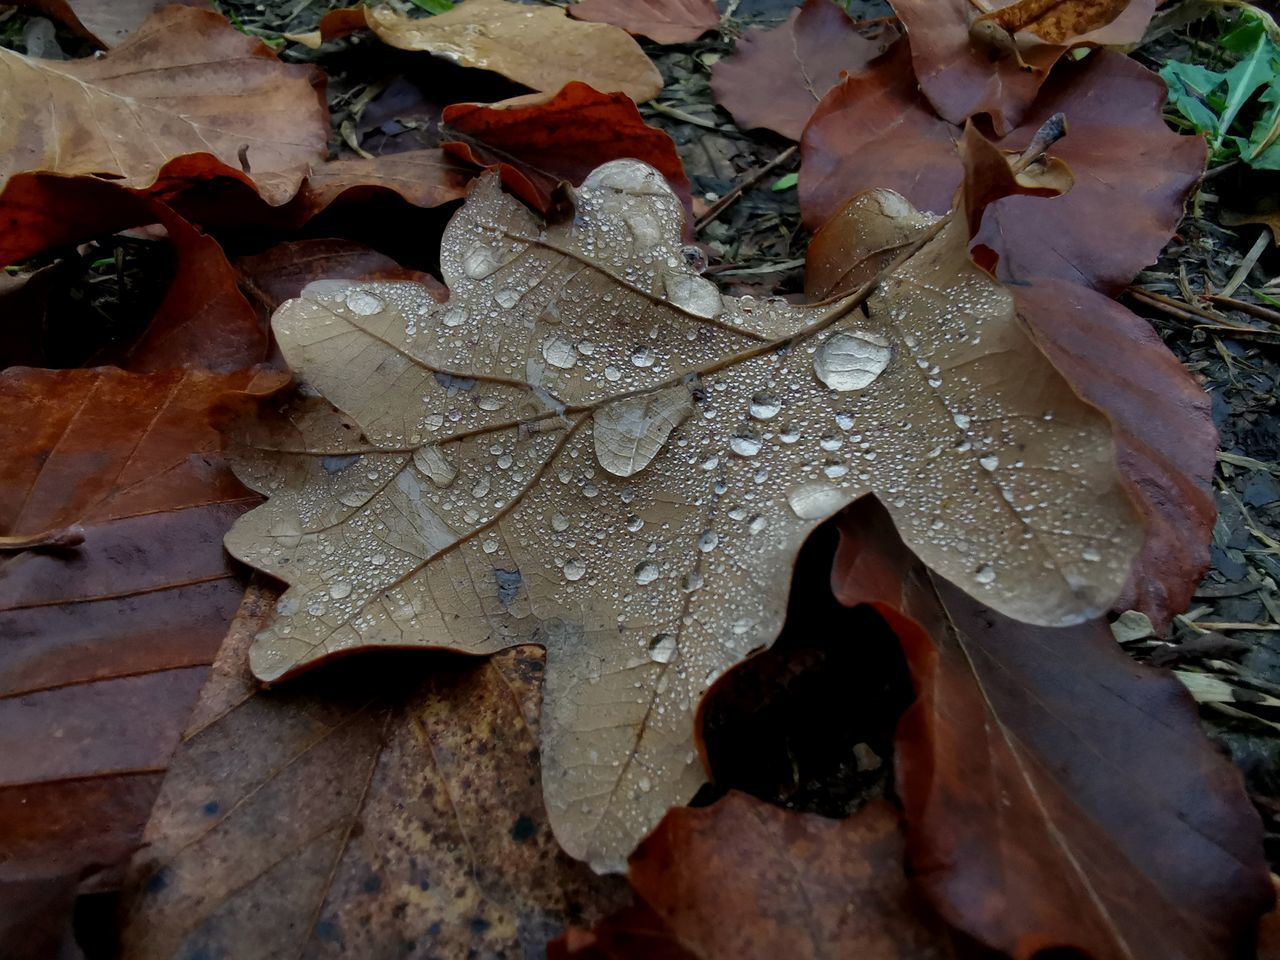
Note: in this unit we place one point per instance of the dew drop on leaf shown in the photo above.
(815, 500)
(646, 572)
(851, 360)
(480, 261)
(745, 445)
(662, 648)
(433, 463)
(363, 303)
(985, 574)
(559, 352)
(764, 406)
(574, 570)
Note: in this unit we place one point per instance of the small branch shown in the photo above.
(724, 202)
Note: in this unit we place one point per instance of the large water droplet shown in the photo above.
(662, 648)
(559, 352)
(629, 433)
(764, 406)
(364, 303)
(985, 574)
(989, 462)
(433, 463)
(707, 542)
(354, 498)
(745, 445)
(480, 261)
(816, 500)
(646, 573)
(643, 356)
(340, 590)
(851, 360)
(507, 298)
(574, 570)
(695, 295)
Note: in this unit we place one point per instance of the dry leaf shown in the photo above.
(1054, 21)
(538, 46)
(102, 22)
(369, 812)
(663, 21)
(775, 78)
(106, 644)
(1057, 794)
(589, 447)
(565, 137)
(185, 83)
(744, 880)
(963, 75)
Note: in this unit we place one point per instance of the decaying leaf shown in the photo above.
(106, 643)
(538, 46)
(564, 137)
(1057, 794)
(372, 812)
(775, 78)
(101, 22)
(1054, 21)
(185, 83)
(515, 468)
(744, 879)
(663, 21)
(964, 73)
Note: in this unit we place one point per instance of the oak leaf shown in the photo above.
(775, 78)
(185, 83)
(106, 643)
(360, 810)
(963, 74)
(591, 448)
(103, 23)
(564, 137)
(1057, 794)
(663, 21)
(744, 879)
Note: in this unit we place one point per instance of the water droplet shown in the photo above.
(662, 648)
(574, 570)
(789, 434)
(433, 463)
(643, 356)
(844, 420)
(559, 522)
(507, 298)
(455, 316)
(831, 443)
(745, 445)
(816, 500)
(489, 546)
(364, 303)
(634, 523)
(835, 470)
(764, 406)
(559, 352)
(707, 542)
(851, 360)
(692, 581)
(1091, 554)
(985, 574)
(480, 261)
(695, 257)
(481, 489)
(354, 498)
(989, 462)
(646, 573)
(340, 590)
(612, 374)
(961, 421)
(695, 295)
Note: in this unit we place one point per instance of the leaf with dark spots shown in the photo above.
(775, 78)
(535, 146)
(1057, 794)
(363, 810)
(106, 643)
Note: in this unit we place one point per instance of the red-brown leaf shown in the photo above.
(106, 644)
(744, 880)
(565, 137)
(1057, 794)
(775, 78)
(663, 21)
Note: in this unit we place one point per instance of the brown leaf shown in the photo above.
(366, 811)
(1132, 173)
(744, 880)
(1165, 437)
(565, 137)
(424, 178)
(106, 644)
(860, 134)
(185, 83)
(1057, 794)
(1056, 21)
(663, 21)
(583, 387)
(538, 46)
(775, 78)
(204, 321)
(963, 76)
(102, 22)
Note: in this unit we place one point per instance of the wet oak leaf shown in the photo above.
(519, 466)
(563, 138)
(186, 83)
(538, 46)
(662, 21)
(357, 811)
(963, 75)
(775, 78)
(748, 880)
(106, 644)
(1058, 796)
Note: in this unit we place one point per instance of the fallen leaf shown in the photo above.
(1055, 21)
(1057, 794)
(185, 83)
(203, 321)
(1165, 438)
(564, 138)
(859, 134)
(103, 23)
(538, 46)
(1132, 173)
(372, 813)
(424, 178)
(583, 386)
(963, 76)
(775, 78)
(106, 644)
(662, 21)
(745, 880)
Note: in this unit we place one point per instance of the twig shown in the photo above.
(1253, 309)
(1247, 264)
(720, 205)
